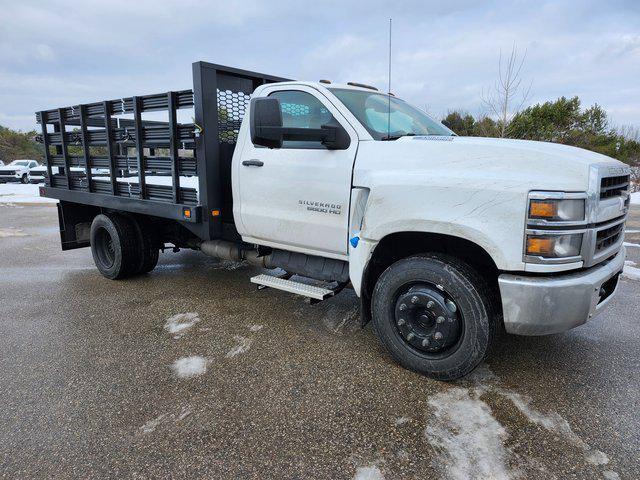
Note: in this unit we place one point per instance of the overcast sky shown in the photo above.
(59, 53)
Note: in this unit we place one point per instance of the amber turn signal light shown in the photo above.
(543, 209)
(540, 245)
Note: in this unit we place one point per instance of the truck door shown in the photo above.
(297, 197)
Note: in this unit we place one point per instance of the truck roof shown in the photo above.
(329, 86)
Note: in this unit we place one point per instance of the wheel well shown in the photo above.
(400, 245)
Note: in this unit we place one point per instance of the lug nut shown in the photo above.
(403, 306)
(430, 304)
(439, 319)
(414, 299)
(437, 336)
(425, 342)
(410, 337)
(401, 321)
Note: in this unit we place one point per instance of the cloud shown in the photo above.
(444, 53)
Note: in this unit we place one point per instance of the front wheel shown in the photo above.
(25, 178)
(433, 313)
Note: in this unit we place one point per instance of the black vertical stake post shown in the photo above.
(137, 118)
(65, 150)
(108, 128)
(205, 102)
(173, 146)
(45, 142)
(85, 145)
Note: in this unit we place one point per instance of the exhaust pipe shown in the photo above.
(320, 268)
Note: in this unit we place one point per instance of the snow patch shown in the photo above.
(11, 232)
(398, 421)
(242, 346)
(256, 328)
(189, 367)
(596, 457)
(151, 425)
(635, 198)
(368, 473)
(186, 411)
(181, 323)
(473, 439)
(610, 475)
(554, 423)
(627, 244)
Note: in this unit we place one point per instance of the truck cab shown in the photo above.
(542, 224)
(446, 240)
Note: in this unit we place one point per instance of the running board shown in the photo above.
(316, 293)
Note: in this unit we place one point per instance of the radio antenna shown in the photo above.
(389, 89)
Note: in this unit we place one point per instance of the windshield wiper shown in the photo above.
(396, 137)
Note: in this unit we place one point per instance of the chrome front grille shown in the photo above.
(7, 172)
(614, 186)
(607, 207)
(608, 237)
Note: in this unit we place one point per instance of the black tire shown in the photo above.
(472, 317)
(150, 250)
(115, 246)
(24, 179)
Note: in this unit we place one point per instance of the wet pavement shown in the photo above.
(191, 372)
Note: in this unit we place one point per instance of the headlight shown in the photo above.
(554, 246)
(556, 210)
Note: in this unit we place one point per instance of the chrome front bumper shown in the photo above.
(545, 305)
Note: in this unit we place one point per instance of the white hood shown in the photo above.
(531, 165)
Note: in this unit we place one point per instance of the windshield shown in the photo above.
(387, 117)
(22, 163)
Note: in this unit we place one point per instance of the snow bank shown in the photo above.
(630, 271)
(11, 193)
(635, 198)
(22, 193)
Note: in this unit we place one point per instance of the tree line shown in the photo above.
(15, 145)
(560, 121)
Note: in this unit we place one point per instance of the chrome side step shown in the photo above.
(316, 293)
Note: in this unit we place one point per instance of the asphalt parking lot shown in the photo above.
(191, 372)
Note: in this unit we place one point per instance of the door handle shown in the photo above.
(252, 163)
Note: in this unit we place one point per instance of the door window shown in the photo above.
(301, 110)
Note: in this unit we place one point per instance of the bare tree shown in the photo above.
(630, 132)
(508, 95)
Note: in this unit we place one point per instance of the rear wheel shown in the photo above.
(434, 315)
(115, 246)
(150, 250)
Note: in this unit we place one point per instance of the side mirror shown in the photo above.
(267, 130)
(266, 122)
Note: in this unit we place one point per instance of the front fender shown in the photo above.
(493, 220)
